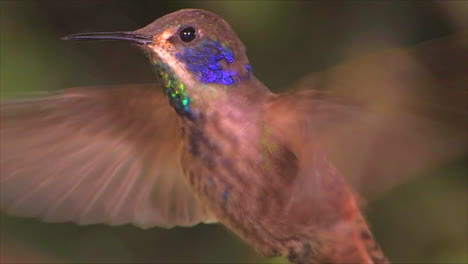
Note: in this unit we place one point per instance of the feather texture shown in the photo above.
(385, 117)
(96, 155)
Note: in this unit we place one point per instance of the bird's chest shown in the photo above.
(219, 162)
(228, 171)
(223, 170)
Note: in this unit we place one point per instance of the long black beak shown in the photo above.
(118, 35)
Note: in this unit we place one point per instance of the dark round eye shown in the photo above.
(187, 34)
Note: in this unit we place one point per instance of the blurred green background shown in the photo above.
(421, 221)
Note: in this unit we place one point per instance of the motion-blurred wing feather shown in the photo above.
(95, 155)
(407, 111)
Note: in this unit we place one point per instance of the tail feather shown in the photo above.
(353, 243)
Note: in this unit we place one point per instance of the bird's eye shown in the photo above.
(187, 34)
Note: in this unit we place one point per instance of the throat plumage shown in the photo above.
(189, 74)
(174, 89)
(210, 62)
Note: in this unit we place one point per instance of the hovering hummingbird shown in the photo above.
(278, 170)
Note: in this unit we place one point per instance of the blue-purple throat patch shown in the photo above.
(204, 61)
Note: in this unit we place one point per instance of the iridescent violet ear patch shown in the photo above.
(204, 60)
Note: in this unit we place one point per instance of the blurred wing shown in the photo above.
(95, 155)
(409, 112)
(316, 193)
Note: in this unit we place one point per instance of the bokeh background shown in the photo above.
(420, 221)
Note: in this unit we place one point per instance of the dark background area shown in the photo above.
(420, 221)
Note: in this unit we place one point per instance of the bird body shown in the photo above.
(261, 163)
(266, 195)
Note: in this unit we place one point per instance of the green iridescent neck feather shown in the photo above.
(174, 89)
(210, 63)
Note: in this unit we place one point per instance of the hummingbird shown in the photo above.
(211, 143)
